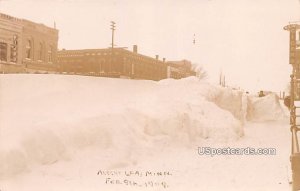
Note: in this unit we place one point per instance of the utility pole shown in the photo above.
(194, 40)
(113, 28)
(294, 104)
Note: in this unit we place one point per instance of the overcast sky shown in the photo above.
(243, 38)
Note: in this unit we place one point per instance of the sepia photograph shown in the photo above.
(149, 95)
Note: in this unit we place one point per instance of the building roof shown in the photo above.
(10, 18)
(181, 63)
(91, 51)
(25, 22)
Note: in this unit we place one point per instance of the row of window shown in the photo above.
(42, 55)
(148, 66)
(127, 56)
(87, 54)
(69, 55)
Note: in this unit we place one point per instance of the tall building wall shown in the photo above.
(10, 44)
(40, 47)
(34, 46)
(119, 63)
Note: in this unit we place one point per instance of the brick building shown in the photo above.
(26, 46)
(180, 69)
(39, 51)
(117, 62)
(10, 44)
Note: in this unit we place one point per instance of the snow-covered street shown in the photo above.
(190, 171)
(86, 133)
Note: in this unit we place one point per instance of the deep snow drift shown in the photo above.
(265, 108)
(47, 119)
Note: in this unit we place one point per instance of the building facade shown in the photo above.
(117, 62)
(10, 44)
(180, 69)
(26, 46)
(39, 53)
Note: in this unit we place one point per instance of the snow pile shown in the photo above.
(49, 118)
(265, 108)
(245, 107)
(234, 101)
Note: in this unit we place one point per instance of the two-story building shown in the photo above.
(117, 62)
(26, 46)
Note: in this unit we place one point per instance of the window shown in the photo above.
(41, 52)
(3, 51)
(50, 53)
(13, 53)
(29, 49)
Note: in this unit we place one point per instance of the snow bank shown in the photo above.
(265, 108)
(48, 118)
(245, 107)
(234, 101)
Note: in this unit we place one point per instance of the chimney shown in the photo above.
(164, 59)
(156, 56)
(135, 49)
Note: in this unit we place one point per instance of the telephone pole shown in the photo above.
(113, 28)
